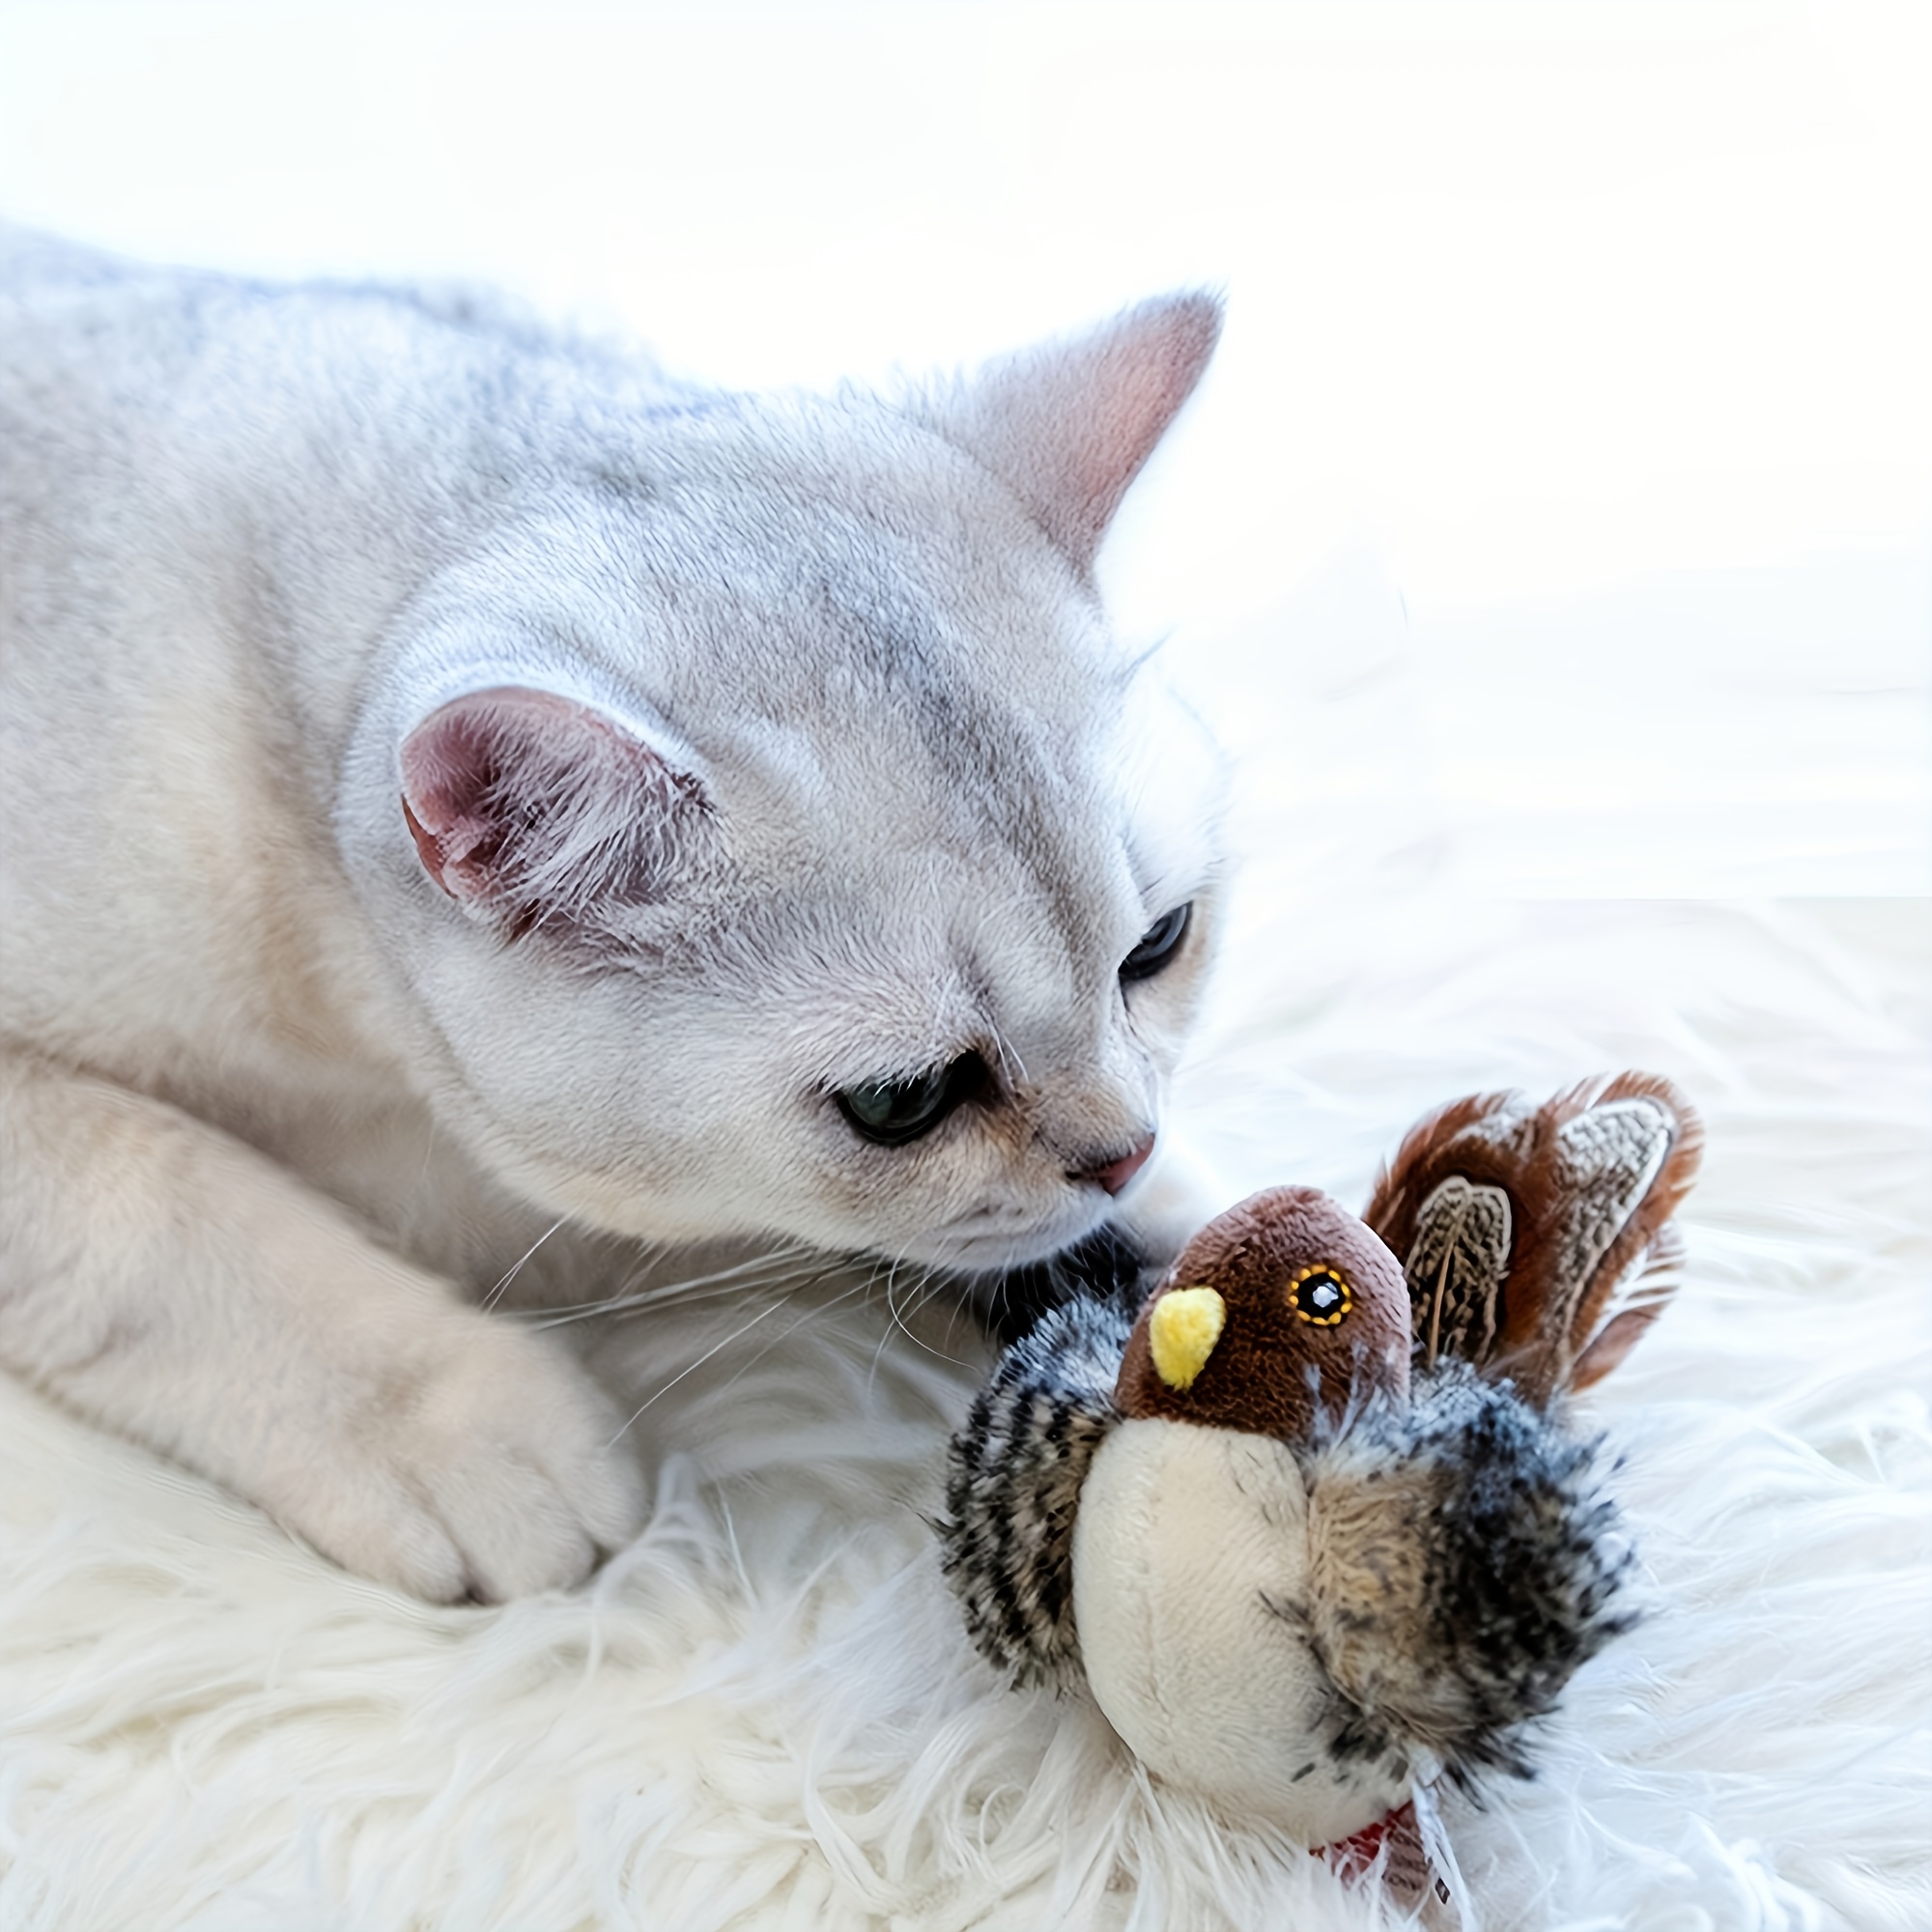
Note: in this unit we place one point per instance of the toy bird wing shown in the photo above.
(1537, 1241)
(1465, 1561)
(1014, 1480)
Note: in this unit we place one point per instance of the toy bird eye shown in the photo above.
(889, 1113)
(1157, 944)
(1320, 1296)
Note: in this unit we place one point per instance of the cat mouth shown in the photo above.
(990, 1241)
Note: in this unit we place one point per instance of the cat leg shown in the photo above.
(175, 1285)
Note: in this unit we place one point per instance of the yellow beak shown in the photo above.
(1186, 1324)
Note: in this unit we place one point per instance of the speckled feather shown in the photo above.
(1465, 1563)
(1014, 1481)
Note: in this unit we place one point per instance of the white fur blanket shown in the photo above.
(766, 1713)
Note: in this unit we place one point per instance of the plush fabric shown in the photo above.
(769, 1713)
(1171, 1647)
(1015, 1475)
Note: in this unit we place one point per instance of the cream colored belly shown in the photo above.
(1190, 1557)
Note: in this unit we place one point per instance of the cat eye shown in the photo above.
(889, 1113)
(1158, 944)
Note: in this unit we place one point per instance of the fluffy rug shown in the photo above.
(766, 1713)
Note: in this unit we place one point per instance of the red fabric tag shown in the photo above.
(1352, 1856)
(1405, 1869)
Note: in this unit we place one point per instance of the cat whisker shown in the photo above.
(800, 1277)
(516, 1267)
(858, 1288)
(891, 1321)
(1131, 667)
(780, 1265)
(691, 1367)
(931, 1282)
(945, 1286)
(681, 1295)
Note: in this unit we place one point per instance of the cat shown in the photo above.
(457, 781)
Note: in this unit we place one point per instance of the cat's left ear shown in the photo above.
(534, 811)
(1068, 425)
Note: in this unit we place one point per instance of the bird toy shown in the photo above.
(1313, 1527)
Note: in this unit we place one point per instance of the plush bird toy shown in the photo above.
(1312, 1529)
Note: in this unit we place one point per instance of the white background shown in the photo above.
(1562, 489)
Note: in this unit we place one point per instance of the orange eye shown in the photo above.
(1320, 1296)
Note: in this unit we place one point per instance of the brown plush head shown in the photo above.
(1285, 1301)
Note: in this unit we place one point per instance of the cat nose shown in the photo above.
(1116, 1174)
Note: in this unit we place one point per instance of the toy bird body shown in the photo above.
(1203, 1660)
(1310, 1529)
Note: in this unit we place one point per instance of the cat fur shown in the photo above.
(456, 781)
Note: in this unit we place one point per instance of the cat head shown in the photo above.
(775, 840)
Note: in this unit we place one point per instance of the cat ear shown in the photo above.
(531, 810)
(1069, 425)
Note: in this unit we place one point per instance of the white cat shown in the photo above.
(454, 779)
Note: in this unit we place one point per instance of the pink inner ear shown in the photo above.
(1137, 383)
(1068, 427)
(530, 808)
(452, 768)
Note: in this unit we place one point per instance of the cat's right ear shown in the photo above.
(533, 812)
(1068, 425)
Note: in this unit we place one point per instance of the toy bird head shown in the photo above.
(1284, 1309)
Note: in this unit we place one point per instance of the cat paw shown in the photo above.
(493, 1468)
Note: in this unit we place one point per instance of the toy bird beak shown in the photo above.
(1181, 1332)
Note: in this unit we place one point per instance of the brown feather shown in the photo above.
(1573, 1198)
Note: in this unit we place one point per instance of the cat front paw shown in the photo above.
(488, 1468)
